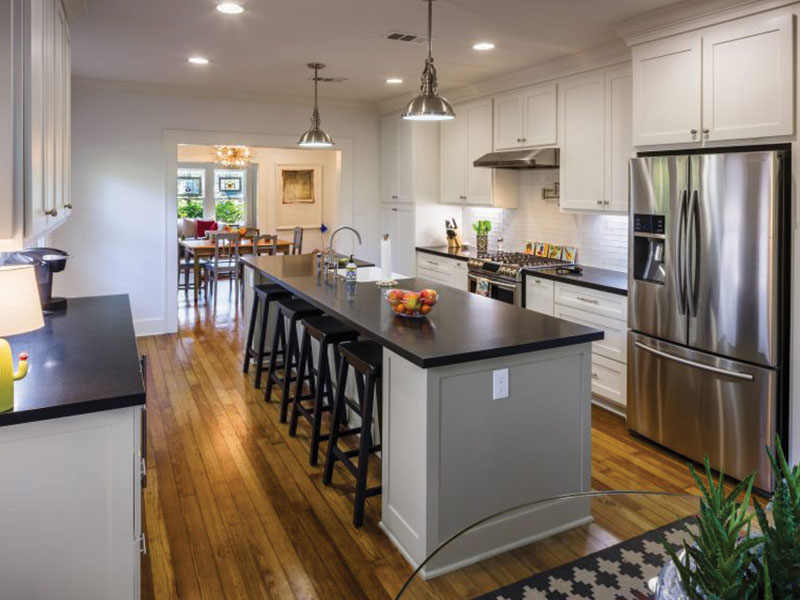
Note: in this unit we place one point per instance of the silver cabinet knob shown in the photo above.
(693, 131)
(706, 131)
(524, 139)
(394, 197)
(606, 202)
(69, 206)
(519, 139)
(51, 213)
(600, 202)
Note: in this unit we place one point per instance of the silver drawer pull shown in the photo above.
(537, 281)
(142, 542)
(589, 300)
(595, 375)
(691, 363)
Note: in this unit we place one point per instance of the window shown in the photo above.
(229, 196)
(191, 184)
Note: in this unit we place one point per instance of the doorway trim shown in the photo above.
(174, 137)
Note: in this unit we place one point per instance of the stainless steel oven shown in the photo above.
(503, 290)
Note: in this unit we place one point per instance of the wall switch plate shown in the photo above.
(499, 384)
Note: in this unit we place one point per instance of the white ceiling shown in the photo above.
(264, 50)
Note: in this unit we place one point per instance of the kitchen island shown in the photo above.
(451, 453)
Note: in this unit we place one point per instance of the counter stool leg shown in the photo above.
(338, 412)
(364, 448)
(324, 392)
(250, 332)
(278, 347)
(291, 361)
(262, 341)
(302, 366)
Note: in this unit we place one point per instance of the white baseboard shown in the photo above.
(155, 326)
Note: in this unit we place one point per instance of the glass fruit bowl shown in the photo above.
(410, 304)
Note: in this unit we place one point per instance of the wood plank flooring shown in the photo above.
(234, 510)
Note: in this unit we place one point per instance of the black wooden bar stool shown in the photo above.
(263, 296)
(287, 348)
(366, 358)
(329, 332)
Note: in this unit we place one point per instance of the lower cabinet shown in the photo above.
(71, 495)
(591, 308)
(447, 271)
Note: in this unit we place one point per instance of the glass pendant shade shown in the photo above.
(315, 137)
(428, 105)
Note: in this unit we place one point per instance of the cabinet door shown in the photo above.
(478, 118)
(748, 79)
(539, 295)
(508, 121)
(35, 124)
(57, 93)
(618, 138)
(453, 159)
(540, 104)
(666, 91)
(459, 275)
(581, 111)
(403, 253)
(405, 161)
(609, 379)
(390, 142)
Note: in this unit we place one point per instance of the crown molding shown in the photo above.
(212, 93)
(690, 15)
(610, 54)
(75, 9)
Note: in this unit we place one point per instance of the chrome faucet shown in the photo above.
(329, 255)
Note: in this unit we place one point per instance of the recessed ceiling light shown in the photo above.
(198, 60)
(483, 46)
(230, 8)
(394, 80)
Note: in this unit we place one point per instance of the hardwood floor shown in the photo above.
(234, 510)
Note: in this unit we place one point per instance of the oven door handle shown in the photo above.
(504, 286)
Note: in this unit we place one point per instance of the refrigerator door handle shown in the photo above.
(679, 250)
(689, 280)
(691, 363)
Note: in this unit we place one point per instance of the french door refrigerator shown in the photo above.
(708, 306)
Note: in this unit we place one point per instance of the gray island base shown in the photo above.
(452, 455)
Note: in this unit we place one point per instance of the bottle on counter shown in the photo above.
(350, 270)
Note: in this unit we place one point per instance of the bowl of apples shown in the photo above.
(412, 304)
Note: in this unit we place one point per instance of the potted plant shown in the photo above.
(726, 558)
(482, 227)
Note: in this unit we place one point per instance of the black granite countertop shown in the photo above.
(83, 360)
(606, 280)
(462, 327)
(448, 252)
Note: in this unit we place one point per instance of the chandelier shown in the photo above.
(233, 157)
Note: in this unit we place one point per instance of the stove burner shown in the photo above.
(507, 265)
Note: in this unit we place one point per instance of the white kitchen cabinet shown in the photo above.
(463, 140)
(748, 83)
(614, 345)
(409, 152)
(666, 91)
(526, 118)
(726, 82)
(583, 147)
(398, 221)
(447, 271)
(610, 380)
(73, 487)
(595, 127)
(539, 294)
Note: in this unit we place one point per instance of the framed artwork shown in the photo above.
(554, 251)
(298, 196)
(230, 184)
(190, 186)
(568, 253)
(540, 249)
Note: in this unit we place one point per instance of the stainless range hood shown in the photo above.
(539, 158)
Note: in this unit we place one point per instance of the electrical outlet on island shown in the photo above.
(499, 384)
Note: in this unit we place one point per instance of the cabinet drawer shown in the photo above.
(539, 295)
(434, 275)
(599, 303)
(609, 379)
(432, 263)
(613, 345)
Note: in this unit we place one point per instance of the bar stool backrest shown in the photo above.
(265, 244)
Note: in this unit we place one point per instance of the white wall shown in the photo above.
(116, 232)
(602, 240)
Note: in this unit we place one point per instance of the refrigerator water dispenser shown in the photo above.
(648, 248)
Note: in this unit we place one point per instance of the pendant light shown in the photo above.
(315, 137)
(429, 105)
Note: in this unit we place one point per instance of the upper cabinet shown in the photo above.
(595, 126)
(39, 81)
(463, 140)
(727, 82)
(526, 118)
(409, 155)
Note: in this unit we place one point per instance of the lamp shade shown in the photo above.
(20, 308)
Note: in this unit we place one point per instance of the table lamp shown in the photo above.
(20, 311)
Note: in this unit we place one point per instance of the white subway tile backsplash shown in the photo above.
(602, 240)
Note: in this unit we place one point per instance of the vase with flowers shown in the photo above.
(482, 227)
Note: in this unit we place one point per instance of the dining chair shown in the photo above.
(186, 268)
(297, 244)
(224, 264)
(262, 244)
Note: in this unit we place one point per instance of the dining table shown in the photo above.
(204, 248)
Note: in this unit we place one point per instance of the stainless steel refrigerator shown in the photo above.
(708, 305)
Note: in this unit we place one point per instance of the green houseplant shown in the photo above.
(482, 227)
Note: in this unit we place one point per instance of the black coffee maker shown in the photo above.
(45, 262)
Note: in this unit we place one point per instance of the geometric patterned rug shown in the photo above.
(619, 572)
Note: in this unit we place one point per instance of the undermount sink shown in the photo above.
(370, 274)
